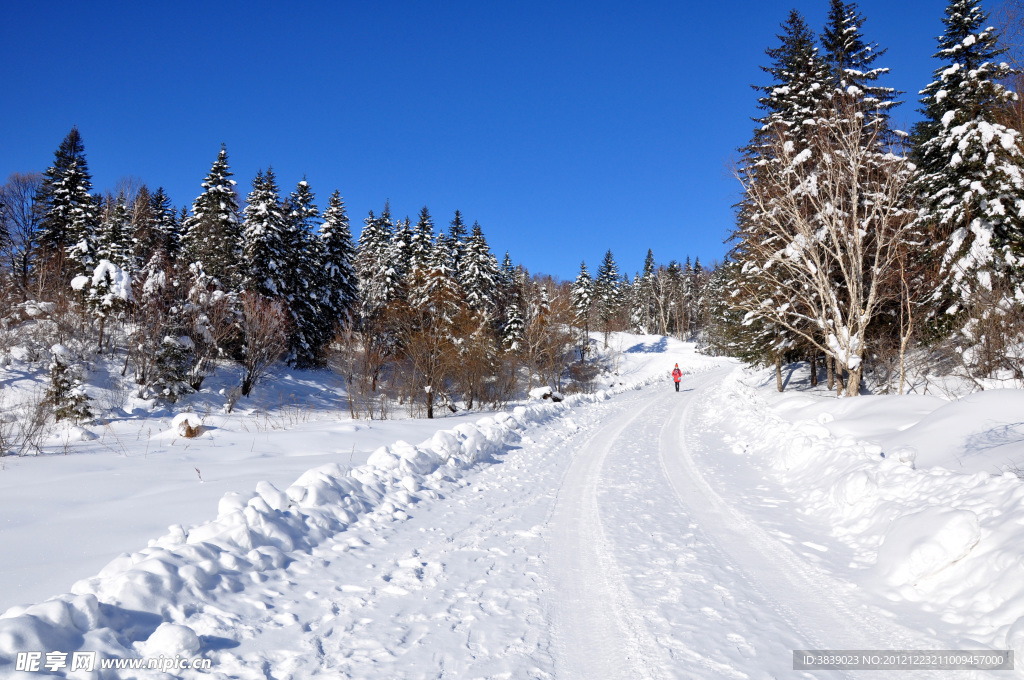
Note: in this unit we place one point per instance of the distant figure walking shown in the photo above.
(677, 375)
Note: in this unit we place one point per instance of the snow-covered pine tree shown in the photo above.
(644, 295)
(637, 306)
(65, 392)
(69, 216)
(164, 227)
(515, 326)
(439, 287)
(141, 218)
(212, 234)
(479, 273)
(337, 252)
(113, 241)
(170, 370)
(583, 297)
(850, 60)
(457, 243)
(507, 271)
(420, 245)
(157, 346)
(969, 177)
(311, 328)
(400, 250)
(791, 105)
(377, 277)
(265, 252)
(506, 283)
(582, 300)
(106, 291)
(607, 298)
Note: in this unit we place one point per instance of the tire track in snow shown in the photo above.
(802, 594)
(598, 629)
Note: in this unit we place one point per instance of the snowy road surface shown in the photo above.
(658, 576)
(617, 539)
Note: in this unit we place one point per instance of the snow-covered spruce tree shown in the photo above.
(158, 231)
(65, 392)
(479, 274)
(379, 287)
(438, 282)
(582, 296)
(507, 292)
(512, 332)
(212, 234)
(637, 315)
(421, 243)
(69, 217)
(113, 241)
(457, 243)
(475, 332)
(337, 252)
(265, 254)
(507, 272)
(644, 298)
(695, 298)
(850, 60)
(311, 327)
(378, 284)
(171, 363)
(106, 292)
(792, 105)
(158, 347)
(969, 179)
(400, 250)
(607, 297)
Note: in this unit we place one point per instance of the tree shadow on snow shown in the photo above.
(649, 348)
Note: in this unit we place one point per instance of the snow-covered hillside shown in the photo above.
(632, 532)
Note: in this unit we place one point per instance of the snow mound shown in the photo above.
(545, 392)
(77, 433)
(171, 639)
(854, 487)
(924, 543)
(187, 425)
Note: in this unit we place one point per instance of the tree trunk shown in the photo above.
(778, 373)
(814, 368)
(853, 383)
(831, 371)
(430, 404)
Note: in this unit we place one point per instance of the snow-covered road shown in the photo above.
(596, 549)
(660, 576)
(613, 538)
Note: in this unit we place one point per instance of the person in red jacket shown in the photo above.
(677, 375)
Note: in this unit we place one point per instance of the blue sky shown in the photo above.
(564, 128)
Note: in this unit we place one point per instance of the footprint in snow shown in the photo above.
(741, 644)
(711, 613)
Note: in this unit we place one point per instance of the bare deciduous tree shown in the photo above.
(264, 337)
(832, 220)
(20, 226)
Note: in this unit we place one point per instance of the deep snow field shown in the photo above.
(632, 532)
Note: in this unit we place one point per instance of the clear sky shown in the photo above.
(564, 128)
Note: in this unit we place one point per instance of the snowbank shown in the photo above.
(946, 539)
